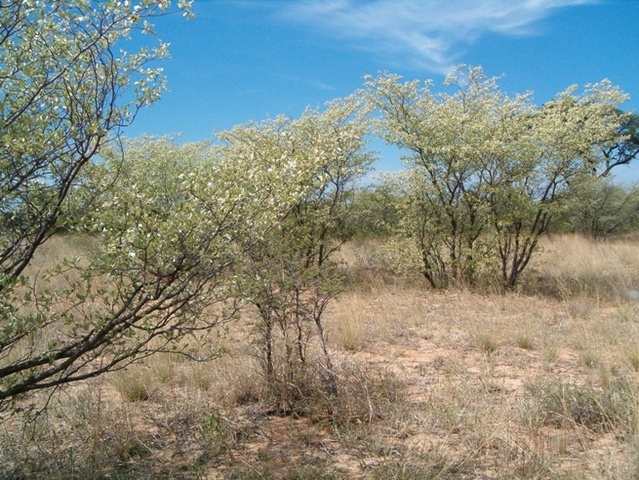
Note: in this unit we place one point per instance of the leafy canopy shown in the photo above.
(488, 171)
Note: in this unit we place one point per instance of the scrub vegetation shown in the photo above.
(247, 307)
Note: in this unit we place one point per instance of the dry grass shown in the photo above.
(539, 384)
(573, 266)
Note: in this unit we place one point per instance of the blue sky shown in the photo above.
(246, 60)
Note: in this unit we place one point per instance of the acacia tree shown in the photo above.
(63, 79)
(488, 171)
(599, 208)
(172, 221)
(168, 217)
(559, 149)
(290, 276)
(625, 149)
(373, 210)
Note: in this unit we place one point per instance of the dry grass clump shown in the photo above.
(417, 466)
(133, 384)
(363, 396)
(612, 408)
(524, 340)
(79, 437)
(369, 264)
(573, 266)
(382, 315)
(356, 326)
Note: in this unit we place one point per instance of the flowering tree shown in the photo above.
(488, 171)
(64, 75)
(290, 275)
(625, 149)
(169, 218)
(173, 220)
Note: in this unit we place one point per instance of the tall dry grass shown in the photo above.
(542, 383)
(571, 266)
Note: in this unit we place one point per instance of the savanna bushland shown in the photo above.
(251, 307)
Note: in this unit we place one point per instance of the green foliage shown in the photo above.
(289, 276)
(487, 171)
(67, 89)
(623, 150)
(600, 208)
(63, 84)
(173, 220)
(375, 210)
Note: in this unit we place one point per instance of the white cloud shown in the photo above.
(312, 82)
(428, 34)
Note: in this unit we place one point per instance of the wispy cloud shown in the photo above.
(312, 82)
(429, 34)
